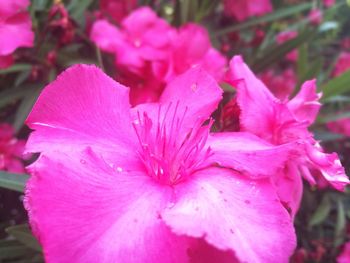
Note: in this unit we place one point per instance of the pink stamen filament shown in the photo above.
(168, 156)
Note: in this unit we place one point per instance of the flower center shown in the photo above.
(170, 152)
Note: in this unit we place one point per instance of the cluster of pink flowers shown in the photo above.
(153, 182)
(149, 52)
(11, 150)
(243, 9)
(15, 29)
(132, 171)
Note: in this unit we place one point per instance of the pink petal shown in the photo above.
(289, 187)
(96, 214)
(233, 213)
(83, 107)
(197, 93)
(15, 32)
(258, 106)
(106, 36)
(329, 165)
(247, 153)
(9, 8)
(344, 256)
(6, 61)
(305, 104)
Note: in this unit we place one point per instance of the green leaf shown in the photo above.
(276, 15)
(16, 68)
(336, 86)
(321, 212)
(277, 52)
(333, 117)
(341, 223)
(13, 181)
(25, 107)
(11, 252)
(11, 95)
(77, 8)
(23, 234)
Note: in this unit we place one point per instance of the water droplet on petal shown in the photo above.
(119, 169)
(82, 161)
(194, 87)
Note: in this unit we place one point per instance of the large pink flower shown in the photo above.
(153, 52)
(11, 150)
(243, 9)
(278, 122)
(15, 29)
(150, 183)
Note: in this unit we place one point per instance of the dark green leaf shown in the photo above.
(276, 15)
(278, 52)
(341, 223)
(336, 86)
(13, 181)
(16, 251)
(23, 234)
(321, 212)
(25, 107)
(16, 68)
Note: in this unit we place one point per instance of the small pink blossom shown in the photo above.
(280, 84)
(117, 9)
(285, 36)
(11, 150)
(343, 64)
(151, 182)
(154, 52)
(329, 3)
(344, 256)
(315, 16)
(341, 126)
(243, 9)
(280, 122)
(15, 29)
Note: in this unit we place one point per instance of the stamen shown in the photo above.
(169, 156)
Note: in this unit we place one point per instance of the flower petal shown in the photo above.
(187, 100)
(257, 103)
(247, 153)
(16, 32)
(79, 205)
(305, 104)
(234, 213)
(83, 107)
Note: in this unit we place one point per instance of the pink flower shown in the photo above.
(280, 122)
(148, 48)
(329, 3)
(280, 84)
(150, 183)
(284, 37)
(11, 150)
(344, 256)
(343, 64)
(117, 9)
(243, 9)
(15, 29)
(341, 126)
(315, 16)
